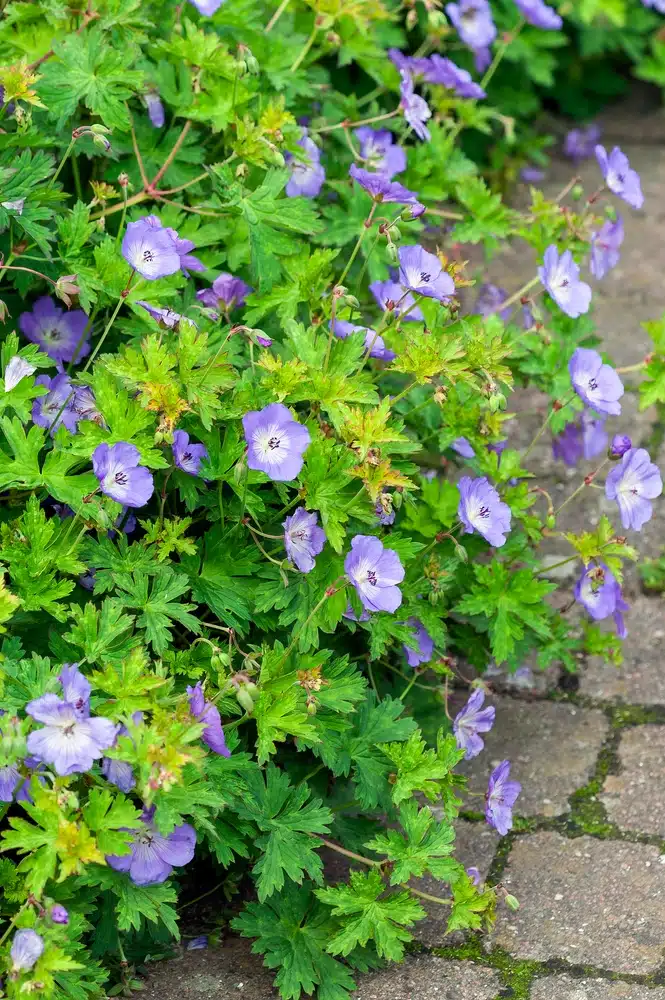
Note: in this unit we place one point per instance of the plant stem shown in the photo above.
(123, 296)
(562, 562)
(310, 775)
(365, 226)
(261, 549)
(443, 214)
(500, 53)
(306, 47)
(347, 854)
(585, 482)
(172, 155)
(30, 270)
(183, 187)
(62, 162)
(137, 154)
(354, 498)
(363, 121)
(198, 899)
(408, 687)
(403, 393)
(544, 426)
(276, 16)
(517, 295)
(122, 217)
(427, 896)
(330, 591)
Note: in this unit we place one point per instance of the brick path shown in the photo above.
(587, 857)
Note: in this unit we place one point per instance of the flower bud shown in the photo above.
(123, 180)
(351, 300)
(66, 287)
(497, 401)
(577, 192)
(100, 130)
(410, 212)
(550, 521)
(512, 902)
(59, 914)
(252, 689)
(395, 234)
(391, 253)
(245, 699)
(101, 143)
(311, 708)
(619, 445)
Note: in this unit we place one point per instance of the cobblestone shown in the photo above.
(430, 978)
(641, 679)
(566, 988)
(635, 798)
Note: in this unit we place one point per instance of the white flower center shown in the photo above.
(271, 444)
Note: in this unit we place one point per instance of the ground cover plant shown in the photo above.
(264, 499)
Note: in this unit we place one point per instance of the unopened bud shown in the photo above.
(245, 699)
(101, 142)
(395, 234)
(619, 445)
(497, 401)
(311, 708)
(577, 192)
(241, 171)
(351, 300)
(550, 521)
(273, 155)
(123, 180)
(100, 130)
(512, 902)
(410, 212)
(66, 287)
(391, 253)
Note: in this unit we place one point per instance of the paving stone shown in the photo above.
(475, 844)
(214, 974)
(641, 679)
(635, 798)
(566, 988)
(430, 978)
(553, 749)
(587, 901)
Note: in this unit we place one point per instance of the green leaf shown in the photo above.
(109, 817)
(159, 610)
(419, 769)
(425, 846)
(103, 634)
(278, 716)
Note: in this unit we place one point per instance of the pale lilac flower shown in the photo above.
(199, 943)
(207, 713)
(389, 293)
(561, 277)
(474, 875)
(381, 189)
(120, 475)
(415, 65)
(414, 108)
(353, 617)
(9, 779)
(634, 482)
(207, 7)
(537, 13)
(36, 766)
(307, 175)
(59, 914)
(166, 317)
(580, 143)
(482, 510)
(75, 689)
(620, 178)
(423, 273)
(374, 342)
(120, 772)
(596, 383)
(153, 857)
(384, 509)
(379, 151)
(375, 572)
(474, 24)
(187, 457)
(275, 442)
(420, 649)
(490, 299)
(600, 593)
(155, 109)
(17, 369)
(67, 742)
(463, 447)
(500, 798)
(27, 947)
(531, 175)
(605, 246)
(658, 5)
(84, 405)
(585, 437)
(14, 206)
(61, 334)
(621, 443)
(303, 538)
(150, 250)
(472, 720)
(447, 74)
(55, 409)
(188, 262)
(226, 293)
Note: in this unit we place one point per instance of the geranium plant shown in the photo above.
(263, 501)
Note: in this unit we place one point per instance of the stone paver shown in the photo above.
(596, 902)
(215, 974)
(641, 679)
(430, 978)
(553, 748)
(566, 988)
(635, 798)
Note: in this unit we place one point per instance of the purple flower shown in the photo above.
(658, 5)
(27, 948)
(226, 293)
(75, 689)
(448, 75)
(413, 64)
(199, 943)
(481, 509)
(153, 857)
(471, 721)
(619, 177)
(120, 475)
(207, 7)
(9, 779)
(275, 442)
(307, 176)
(375, 572)
(374, 342)
(389, 293)
(84, 405)
(474, 875)
(155, 109)
(634, 482)
(580, 143)
(414, 108)
(490, 299)
(59, 914)
(531, 174)
(187, 457)
(596, 383)
(621, 443)
(605, 247)
(381, 188)
(166, 318)
(61, 334)
(463, 447)
(55, 409)
(67, 742)
(599, 592)
(207, 713)
(379, 151)
(539, 14)
(384, 509)
(500, 798)
(422, 272)
(303, 538)
(120, 772)
(423, 645)
(188, 262)
(17, 369)
(560, 276)
(352, 616)
(150, 250)
(474, 24)
(582, 438)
